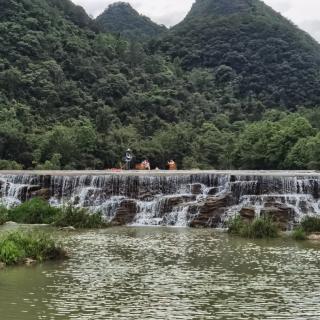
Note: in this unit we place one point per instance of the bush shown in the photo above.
(3, 215)
(299, 234)
(311, 224)
(79, 218)
(10, 165)
(34, 211)
(259, 228)
(16, 247)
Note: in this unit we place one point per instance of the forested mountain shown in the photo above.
(234, 85)
(121, 18)
(252, 48)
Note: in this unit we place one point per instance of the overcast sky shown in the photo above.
(304, 13)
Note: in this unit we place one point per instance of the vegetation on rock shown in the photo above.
(38, 211)
(299, 234)
(34, 211)
(310, 224)
(79, 218)
(16, 247)
(259, 228)
(3, 215)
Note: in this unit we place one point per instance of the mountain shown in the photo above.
(121, 18)
(249, 44)
(223, 89)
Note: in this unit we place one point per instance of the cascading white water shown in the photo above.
(175, 200)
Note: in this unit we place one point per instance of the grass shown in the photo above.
(38, 211)
(260, 228)
(18, 246)
(310, 224)
(35, 211)
(79, 218)
(299, 234)
(3, 215)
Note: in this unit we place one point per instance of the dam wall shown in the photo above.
(181, 198)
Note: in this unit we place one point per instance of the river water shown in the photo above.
(167, 273)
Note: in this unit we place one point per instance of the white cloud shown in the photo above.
(304, 13)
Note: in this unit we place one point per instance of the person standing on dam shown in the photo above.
(128, 159)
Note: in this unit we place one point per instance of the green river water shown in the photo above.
(167, 273)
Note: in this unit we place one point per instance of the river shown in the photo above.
(167, 273)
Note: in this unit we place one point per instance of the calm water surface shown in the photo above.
(161, 273)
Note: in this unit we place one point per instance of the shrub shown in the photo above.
(17, 246)
(34, 211)
(299, 234)
(259, 228)
(10, 165)
(3, 215)
(235, 225)
(79, 218)
(311, 224)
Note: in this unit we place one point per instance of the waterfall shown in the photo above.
(178, 199)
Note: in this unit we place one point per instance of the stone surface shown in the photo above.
(280, 213)
(314, 237)
(41, 193)
(70, 228)
(29, 262)
(168, 203)
(211, 212)
(2, 265)
(125, 213)
(247, 213)
(195, 188)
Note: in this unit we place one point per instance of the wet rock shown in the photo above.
(29, 262)
(146, 196)
(33, 188)
(41, 193)
(125, 213)
(213, 191)
(195, 188)
(2, 265)
(211, 212)
(280, 213)
(248, 213)
(314, 237)
(70, 228)
(10, 223)
(168, 203)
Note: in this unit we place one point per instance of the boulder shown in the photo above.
(70, 228)
(280, 213)
(168, 203)
(195, 188)
(2, 265)
(41, 193)
(125, 213)
(211, 212)
(247, 213)
(314, 237)
(213, 191)
(29, 262)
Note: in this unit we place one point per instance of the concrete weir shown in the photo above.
(173, 198)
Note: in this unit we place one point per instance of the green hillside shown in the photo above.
(121, 18)
(248, 43)
(212, 93)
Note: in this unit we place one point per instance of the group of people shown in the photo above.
(145, 164)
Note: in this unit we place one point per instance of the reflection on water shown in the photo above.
(158, 273)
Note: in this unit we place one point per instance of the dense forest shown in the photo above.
(234, 85)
